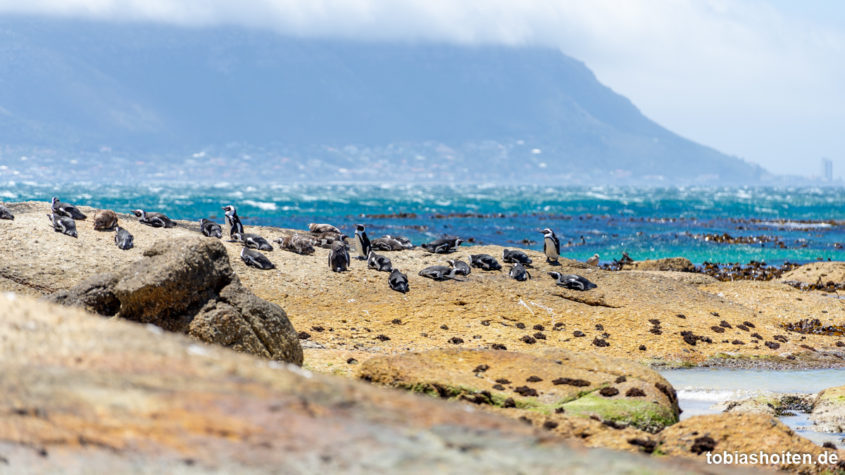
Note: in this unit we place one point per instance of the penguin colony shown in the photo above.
(63, 217)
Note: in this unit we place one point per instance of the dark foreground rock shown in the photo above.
(576, 384)
(84, 394)
(188, 286)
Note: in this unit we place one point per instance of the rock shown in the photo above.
(188, 286)
(828, 413)
(772, 404)
(741, 434)
(486, 304)
(816, 272)
(82, 392)
(582, 384)
(675, 264)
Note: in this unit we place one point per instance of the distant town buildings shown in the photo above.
(827, 169)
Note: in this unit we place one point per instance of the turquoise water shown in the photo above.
(700, 389)
(647, 223)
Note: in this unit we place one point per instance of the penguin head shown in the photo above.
(451, 262)
(139, 213)
(54, 200)
(555, 275)
(230, 210)
(548, 232)
(237, 237)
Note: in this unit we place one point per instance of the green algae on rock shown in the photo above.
(578, 384)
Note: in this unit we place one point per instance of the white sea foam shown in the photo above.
(263, 205)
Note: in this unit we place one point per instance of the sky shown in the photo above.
(762, 80)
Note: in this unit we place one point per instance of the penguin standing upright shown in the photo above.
(551, 245)
(234, 221)
(362, 241)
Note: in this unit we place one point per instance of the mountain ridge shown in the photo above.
(319, 108)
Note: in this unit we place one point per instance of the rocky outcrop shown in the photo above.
(674, 264)
(82, 392)
(559, 381)
(829, 411)
(188, 286)
(657, 317)
(817, 272)
(740, 434)
(772, 404)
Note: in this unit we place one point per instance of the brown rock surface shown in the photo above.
(187, 286)
(675, 264)
(83, 393)
(581, 384)
(356, 308)
(741, 433)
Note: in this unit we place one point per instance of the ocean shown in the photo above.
(775, 225)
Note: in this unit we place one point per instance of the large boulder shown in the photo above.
(829, 411)
(83, 394)
(741, 434)
(558, 381)
(188, 286)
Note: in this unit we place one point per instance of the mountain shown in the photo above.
(140, 100)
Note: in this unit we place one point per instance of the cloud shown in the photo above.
(742, 76)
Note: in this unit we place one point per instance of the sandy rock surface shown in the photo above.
(817, 271)
(741, 433)
(644, 316)
(83, 393)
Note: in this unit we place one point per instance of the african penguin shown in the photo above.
(339, 255)
(443, 245)
(438, 273)
(461, 267)
(512, 256)
(296, 243)
(123, 239)
(67, 210)
(210, 228)
(233, 221)
(484, 261)
(379, 263)
(551, 245)
(362, 242)
(252, 241)
(572, 281)
(391, 243)
(156, 220)
(63, 224)
(256, 259)
(593, 261)
(105, 220)
(317, 228)
(5, 213)
(398, 281)
(519, 273)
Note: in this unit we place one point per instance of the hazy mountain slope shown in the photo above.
(469, 112)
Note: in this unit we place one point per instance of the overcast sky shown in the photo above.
(763, 80)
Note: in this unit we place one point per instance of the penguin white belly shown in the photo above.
(549, 248)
